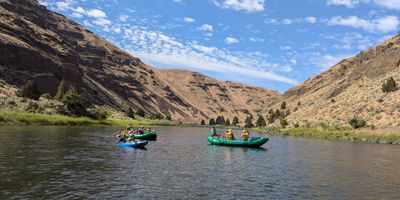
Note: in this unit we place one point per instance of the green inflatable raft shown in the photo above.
(252, 142)
(146, 136)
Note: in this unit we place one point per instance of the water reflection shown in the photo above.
(86, 162)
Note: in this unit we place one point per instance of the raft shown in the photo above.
(252, 142)
(140, 144)
(146, 136)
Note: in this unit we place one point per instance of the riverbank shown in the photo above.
(371, 136)
(26, 118)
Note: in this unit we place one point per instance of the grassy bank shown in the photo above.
(18, 117)
(373, 136)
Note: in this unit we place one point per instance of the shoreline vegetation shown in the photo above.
(26, 118)
(360, 135)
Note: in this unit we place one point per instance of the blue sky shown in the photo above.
(269, 43)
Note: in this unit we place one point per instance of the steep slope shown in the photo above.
(38, 44)
(218, 97)
(351, 87)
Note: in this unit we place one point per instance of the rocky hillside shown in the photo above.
(215, 97)
(45, 46)
(351, 87)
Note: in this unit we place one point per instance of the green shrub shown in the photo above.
(248, 122)
(129, 113)
(235, 120)
(260, 121)
(29, 90)
(283, 105)
(62, 90)
(140, 113)
(74, 103)
(389, 86)
(211, 122)
(202, 122)
(296, 125)
(357, 122)
(283, 122)
(97, 114)
(156, 116)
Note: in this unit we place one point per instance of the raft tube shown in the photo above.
(252, 142)
(140, 144)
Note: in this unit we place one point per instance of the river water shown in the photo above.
(86, 163)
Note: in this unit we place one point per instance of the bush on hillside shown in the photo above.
(357, 122)
(283, 105)
(202, 122)
(211, 122)
(62, 90)
(74, 103)
(235, 121)
(129, 113)
(283, 122)
(260, 121)
(29, 90)
(140, 113)
(389, 86)
(248, 122)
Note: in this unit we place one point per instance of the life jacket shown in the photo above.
(229, 135)
(245, 136)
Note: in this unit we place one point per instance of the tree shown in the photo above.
(248, 122)
(357, 122)
(220, 120)
(298, 103)
(129, 113)
(389, 86)
(227, 122)
(74, 103)
(277, 114)
(235, 120)
(29, 90)
(260, 121)
(202, 122)
(62, 89)
(287, 112)
(271, 116)
(283, 122)
(140, 113)
(211, 122)
(283, 105)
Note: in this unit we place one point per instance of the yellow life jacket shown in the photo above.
(229, 135)
(245, 136)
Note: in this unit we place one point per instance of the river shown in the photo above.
(40, 162)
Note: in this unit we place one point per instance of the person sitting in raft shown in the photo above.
(129, 127)
(122, 138)
(131, 138)
(148, 130)
(141, 130)
(245, 135)
(213, 132)
(229, 135)
(153, 131)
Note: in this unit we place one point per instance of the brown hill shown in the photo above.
(351, 87)
(215, 97)
(45, 46)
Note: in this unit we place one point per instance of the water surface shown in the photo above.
(86, 163)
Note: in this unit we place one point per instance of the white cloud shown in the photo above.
(206, 27)
(61, 5)
(287, 21)
(123, 18)
(96, 13)
(346, 3)
(383, 24)
(156, 47)
(77, 15)
(271, 21)
(188, 20)
(79, 10)
(239, 5)
(311, 20)
(390, 4)
(253, 39)
(325, 61)
(231, 40)
(101, 22)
